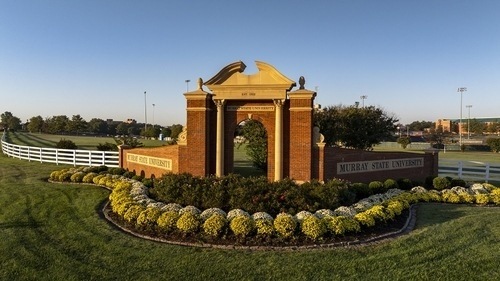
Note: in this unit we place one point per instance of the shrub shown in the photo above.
(405, 184)
(107, 147)
(264, 227)
(116, 171)
(132, 213)
(377, 212)
(215, 225)
(451, 197)
(285, 225)
(242, 225)
(66, 144)
(390, 184)
(65, 176)
(395, 206)
(361, 190)
(188, 222)
(458, 182)
(340, 225)
(495, 196)
(494, 144)
(167, 221)
(429, 181)
(467, 198)
(365, 219)
(376, 187)
(88, 177)
(482, 199)
(441, 183)
(313, 227)
(148, 218)
(77, 177)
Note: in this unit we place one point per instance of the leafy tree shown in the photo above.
(97, 126)
(476, 127)
(494, 144)
(175, 130)
(166, 132)
(353, 127)
(57, 124)
(36, 124)
(10, 122)
(151, 132)
(420, 125)
(122, 129)
(76, 125)
(256, 139)
(493, 127)
(404, 141)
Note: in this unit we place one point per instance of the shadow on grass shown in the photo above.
(437, 213)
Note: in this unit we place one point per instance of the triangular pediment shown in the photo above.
(232, 75)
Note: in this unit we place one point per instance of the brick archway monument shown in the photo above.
(266, 96)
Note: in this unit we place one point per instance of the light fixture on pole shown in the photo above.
(468, 121)
(145, 113)
(461, 90)
(187, 84)
(153, 115)
(363, 98)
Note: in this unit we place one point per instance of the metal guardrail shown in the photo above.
(61, 156)
(470, 170)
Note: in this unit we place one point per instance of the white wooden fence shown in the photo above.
(470, 170)
(61, 156)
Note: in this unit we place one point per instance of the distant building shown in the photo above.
(131, 121)
(448, 124)
(444, 124)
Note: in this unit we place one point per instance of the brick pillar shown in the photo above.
(198, 149)
(301, 134)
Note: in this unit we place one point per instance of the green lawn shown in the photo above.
(54, 232)
(83, 142)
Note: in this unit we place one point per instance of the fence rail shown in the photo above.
(61, 156)
(470, 170)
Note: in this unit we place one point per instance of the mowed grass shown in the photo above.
(55, 232)
(83, 142)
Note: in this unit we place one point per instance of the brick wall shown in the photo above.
(170, 152)
(332, 156)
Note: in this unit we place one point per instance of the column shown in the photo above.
(219, 147)
(278, 140)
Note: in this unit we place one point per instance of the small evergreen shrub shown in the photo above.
(405, 184)
(66, 144)
(429, 181)
(362, 190)
(441, 183)
(66, 176)
(458, 182)
(88, 177)
(390, 184)
(377, 187)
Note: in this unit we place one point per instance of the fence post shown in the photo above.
(90, 158)
(460, 167)
(74, 158)
(487, 172)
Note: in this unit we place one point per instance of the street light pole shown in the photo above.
(145, 113)
(461, 90)
(363, 98)
(187, 84)
(153, 115)
(468, 121)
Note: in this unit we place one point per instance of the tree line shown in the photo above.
(76, 125)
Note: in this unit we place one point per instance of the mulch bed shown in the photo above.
(381, 232)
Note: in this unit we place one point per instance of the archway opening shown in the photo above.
(250, 149)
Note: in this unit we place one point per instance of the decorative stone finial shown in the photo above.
(302, 81)
(200, 83)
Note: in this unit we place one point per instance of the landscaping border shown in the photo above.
(408, 226)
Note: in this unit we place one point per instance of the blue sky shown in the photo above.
(97, 57)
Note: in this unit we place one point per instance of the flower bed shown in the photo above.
(132, 207)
